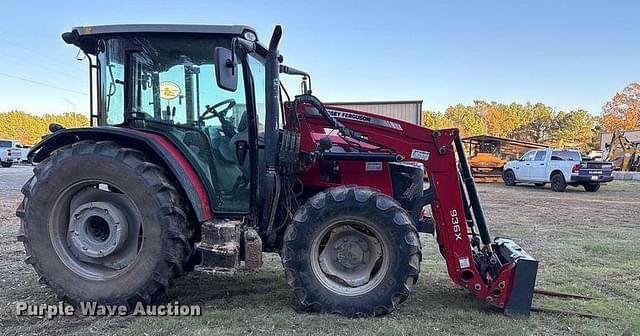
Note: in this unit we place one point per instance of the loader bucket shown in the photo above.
(524, 277)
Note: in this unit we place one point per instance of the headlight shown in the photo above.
(250, 36)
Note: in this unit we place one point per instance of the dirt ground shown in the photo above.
(587, 243)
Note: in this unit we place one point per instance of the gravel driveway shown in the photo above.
(13, 178)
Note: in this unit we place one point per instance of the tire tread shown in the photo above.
(320, 202)
(178, 248)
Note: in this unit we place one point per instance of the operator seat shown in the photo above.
(228, 149)
(230, 173)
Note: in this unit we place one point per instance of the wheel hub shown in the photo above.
(350, 255)
(97, 229)
(351, 252)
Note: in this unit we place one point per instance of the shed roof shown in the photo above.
(484, 137)
(381, 102)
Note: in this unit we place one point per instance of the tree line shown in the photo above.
(541, 123)
(29, 129)
(538, 122)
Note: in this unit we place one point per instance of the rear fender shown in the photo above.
(563, 172)
(152, 144)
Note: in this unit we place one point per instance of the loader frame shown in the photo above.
(497, 271)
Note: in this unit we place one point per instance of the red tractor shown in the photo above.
(200, 158)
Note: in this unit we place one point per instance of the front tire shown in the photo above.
(6, 164)
(101, 223)
(509, 178)
(352, 251)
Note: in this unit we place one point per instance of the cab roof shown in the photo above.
(85, 37)
(161, 28)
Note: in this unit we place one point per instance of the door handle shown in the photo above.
(542, 164)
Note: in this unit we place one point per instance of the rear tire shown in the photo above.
(339, 211)
(161, 239)
(509, 178)
(591, 187)
(558, 183)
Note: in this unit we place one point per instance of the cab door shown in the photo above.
(177, 95)
(537, 169)
(522, 169)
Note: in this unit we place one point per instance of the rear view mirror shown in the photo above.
(226, 71)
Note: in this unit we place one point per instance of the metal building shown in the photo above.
(632, 135)
(407, 110)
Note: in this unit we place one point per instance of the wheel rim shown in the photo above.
(556, 183)
(349, 257)
(96, 229)
(509, 177)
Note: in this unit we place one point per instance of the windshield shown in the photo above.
(5, 144)
(172, 80)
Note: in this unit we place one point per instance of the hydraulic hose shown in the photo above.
(315, 102)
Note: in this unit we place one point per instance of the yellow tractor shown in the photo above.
(486, 167)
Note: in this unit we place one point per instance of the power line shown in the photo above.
(43, 66)
(43, 84)
(37, 52)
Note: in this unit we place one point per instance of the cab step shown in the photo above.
(220, 246)
(225, 244)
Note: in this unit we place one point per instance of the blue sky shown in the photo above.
(568, 54)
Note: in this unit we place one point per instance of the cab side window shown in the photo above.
(529, 156)
(540, 156)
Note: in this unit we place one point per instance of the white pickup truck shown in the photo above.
(9, 153)
(560, 167)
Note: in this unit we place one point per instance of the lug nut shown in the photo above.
(501, 285)
(477, 287)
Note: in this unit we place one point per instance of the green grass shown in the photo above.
(586, 244)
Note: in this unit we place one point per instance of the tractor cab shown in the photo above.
(198, 85)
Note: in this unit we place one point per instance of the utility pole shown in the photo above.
(75, 115)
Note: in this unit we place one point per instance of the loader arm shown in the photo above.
(497, 271)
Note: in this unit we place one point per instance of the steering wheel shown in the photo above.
(211, 111)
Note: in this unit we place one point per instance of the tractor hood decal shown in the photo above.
(364, 118)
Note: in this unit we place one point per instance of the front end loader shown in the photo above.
(198, 158)
(624, 154)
